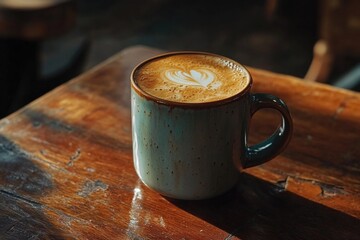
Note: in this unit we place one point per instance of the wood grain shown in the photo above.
(66, 168)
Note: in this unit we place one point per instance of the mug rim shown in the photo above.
(143, 93)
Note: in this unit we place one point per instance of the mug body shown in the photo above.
(187, 152)
(195, 150)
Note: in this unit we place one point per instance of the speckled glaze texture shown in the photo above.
(188, 153)
(196, 150)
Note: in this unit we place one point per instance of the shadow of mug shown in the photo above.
(256, 209)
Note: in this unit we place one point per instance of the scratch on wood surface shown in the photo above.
(341, 107)
(90, 170)
(67, 218)
(43, 152)
(327, 190)
(43, 159)
(21, 198)
(283, 184)
(74, 157)
(330, 190)
(92, 186)
(339, 110)
(17, 229)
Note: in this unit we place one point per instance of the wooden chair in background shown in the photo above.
(339, 37)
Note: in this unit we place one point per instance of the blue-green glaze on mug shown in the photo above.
(194, 150)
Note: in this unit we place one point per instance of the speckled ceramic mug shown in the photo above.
(196, 150)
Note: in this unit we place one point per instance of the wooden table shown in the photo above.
(66, 169)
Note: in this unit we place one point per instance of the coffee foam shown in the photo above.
(191, 78)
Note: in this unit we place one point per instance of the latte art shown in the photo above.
(198, 77)
(191, 77)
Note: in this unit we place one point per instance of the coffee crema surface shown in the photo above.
(192, 78)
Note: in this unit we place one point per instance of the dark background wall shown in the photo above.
(282, 41)
(237, 29)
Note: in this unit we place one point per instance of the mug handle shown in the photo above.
(277, 142)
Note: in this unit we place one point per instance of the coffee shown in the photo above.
(190, 112)
(192, 78)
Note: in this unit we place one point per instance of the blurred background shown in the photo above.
(44, 43)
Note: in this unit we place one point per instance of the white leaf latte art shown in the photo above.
(198, 77)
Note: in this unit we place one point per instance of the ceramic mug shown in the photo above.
(197, 150)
